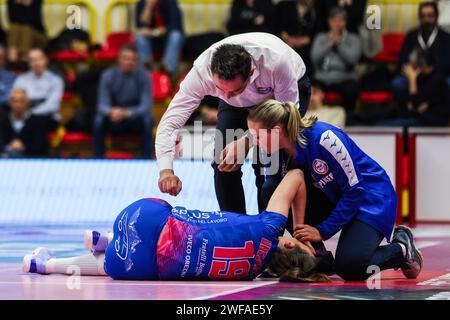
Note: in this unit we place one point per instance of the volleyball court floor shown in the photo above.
(65, 241)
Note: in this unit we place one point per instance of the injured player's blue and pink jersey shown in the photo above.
(153, 240)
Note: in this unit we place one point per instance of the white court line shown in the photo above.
(265, 283)
(184, 284)
(426, 244)
(11, 269)
(291, 298)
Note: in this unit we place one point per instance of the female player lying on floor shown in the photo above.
(363, 198)
(153, 240)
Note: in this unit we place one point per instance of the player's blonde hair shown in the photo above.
(295, 265)
(272, 112)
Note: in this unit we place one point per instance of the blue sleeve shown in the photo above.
(8, 81)
(336, 152)
(145, 100)
(104, 98)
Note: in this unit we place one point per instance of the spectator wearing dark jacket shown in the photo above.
(22, 134)
(427, 103)
(159, 24)
(428, 37)
(250, 16)
(124, 102)
(296, 22)
(26, 29)
(335, 55)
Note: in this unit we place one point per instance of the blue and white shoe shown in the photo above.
(35, 262)
(95, 241)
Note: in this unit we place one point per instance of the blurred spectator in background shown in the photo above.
(6, 79)
(428, 100)
(250, 16)
(335, 55)
(124, 102)
(295, 21)
(44, 88)
(159, 25)
(355, 10)
(22, 133)
(427, 37)
(334, 115)
(26, 29)
(444, 16)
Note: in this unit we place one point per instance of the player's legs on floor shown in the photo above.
(87, 265)
(41, 261)
(97, 242)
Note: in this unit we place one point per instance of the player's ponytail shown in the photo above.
(272, 112)
(295, 265)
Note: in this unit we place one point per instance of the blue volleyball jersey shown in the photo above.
(152, 240)
(217, 245)
(352, 180)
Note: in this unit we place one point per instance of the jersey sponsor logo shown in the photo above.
(264, 248)
(264, 90)
(121, 243)
(320, 167)
(321, 184)
(331, 142)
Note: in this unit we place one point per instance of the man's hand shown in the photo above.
(16, 145)
(304, 233)
(145, 32)
(423, 107)
(233, 155)
(169, 182)
(259, 20)
(335, 38)
(410, 72)
(117, 114)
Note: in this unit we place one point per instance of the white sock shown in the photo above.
(87, 265)
(403, 248)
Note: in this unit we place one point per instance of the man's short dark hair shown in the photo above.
(318, 85)
(337, 11)
(431, 4)
(231, 60)
(128, 47)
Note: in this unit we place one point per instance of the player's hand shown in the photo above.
(310, 247)
(233, 155)
(169, 182)
(304, 232)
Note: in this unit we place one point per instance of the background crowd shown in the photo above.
(351, 84)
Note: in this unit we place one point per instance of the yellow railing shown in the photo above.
(84, 3)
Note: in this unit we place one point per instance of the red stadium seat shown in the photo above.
(161, 84)
(69, 56)
(68, 96)
(77, 138)
(392, 44)
(119, 155)
(332, 98)
(114, 42)
(375, 97)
